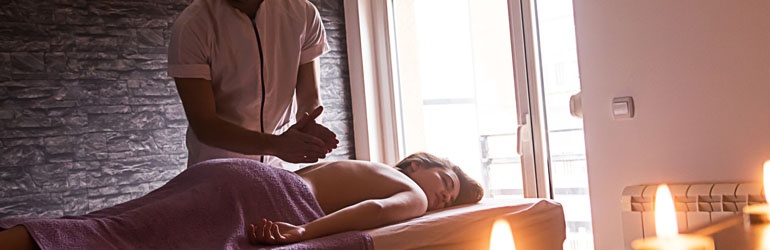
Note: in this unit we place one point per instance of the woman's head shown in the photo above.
(444, 183)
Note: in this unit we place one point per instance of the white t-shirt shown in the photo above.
(213, 40)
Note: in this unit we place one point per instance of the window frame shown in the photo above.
(374, 85)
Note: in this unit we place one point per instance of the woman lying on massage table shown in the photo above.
(353, 195)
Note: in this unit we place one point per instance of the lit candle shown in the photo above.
(764, 241)
(759, 213)
(502, 237)
(666, 230)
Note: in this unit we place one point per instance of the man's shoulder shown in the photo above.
(294, 3)
(197, 14)
(295, 7)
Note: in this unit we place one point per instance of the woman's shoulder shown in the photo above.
(361, 170)
(379, 172)
(353, 164)
(367, 166)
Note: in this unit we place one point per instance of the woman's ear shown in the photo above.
(413, 166)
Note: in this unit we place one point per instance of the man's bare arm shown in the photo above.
(200, 107)
(308, 80)
(308, 98)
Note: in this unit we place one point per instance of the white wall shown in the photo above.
(699, 72)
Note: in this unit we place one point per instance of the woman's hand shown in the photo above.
(275, 233)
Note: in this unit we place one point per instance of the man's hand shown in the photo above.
(297, 147)
(309, 126)
(275, 233)
(306, 141)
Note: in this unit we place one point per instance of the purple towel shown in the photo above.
(208, 206)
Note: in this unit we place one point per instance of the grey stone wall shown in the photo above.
(335, 80)
(88, 116)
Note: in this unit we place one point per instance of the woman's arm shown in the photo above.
(363, 215)
(370, 214)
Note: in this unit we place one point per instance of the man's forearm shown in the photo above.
(308, 97)
(197, 97)
(228, 136)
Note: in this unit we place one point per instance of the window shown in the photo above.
(456, 86)
(484, 83)
(560, 80)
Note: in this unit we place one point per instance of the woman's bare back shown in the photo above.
(339, 184)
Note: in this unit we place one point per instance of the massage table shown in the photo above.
(536, 224)
(209, 206)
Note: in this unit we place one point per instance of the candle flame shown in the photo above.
(665, 214)
(765, 241)
(766, 178)
(502, 237)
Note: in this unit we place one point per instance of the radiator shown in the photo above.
(696, 205)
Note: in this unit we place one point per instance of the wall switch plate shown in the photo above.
(623, 107)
